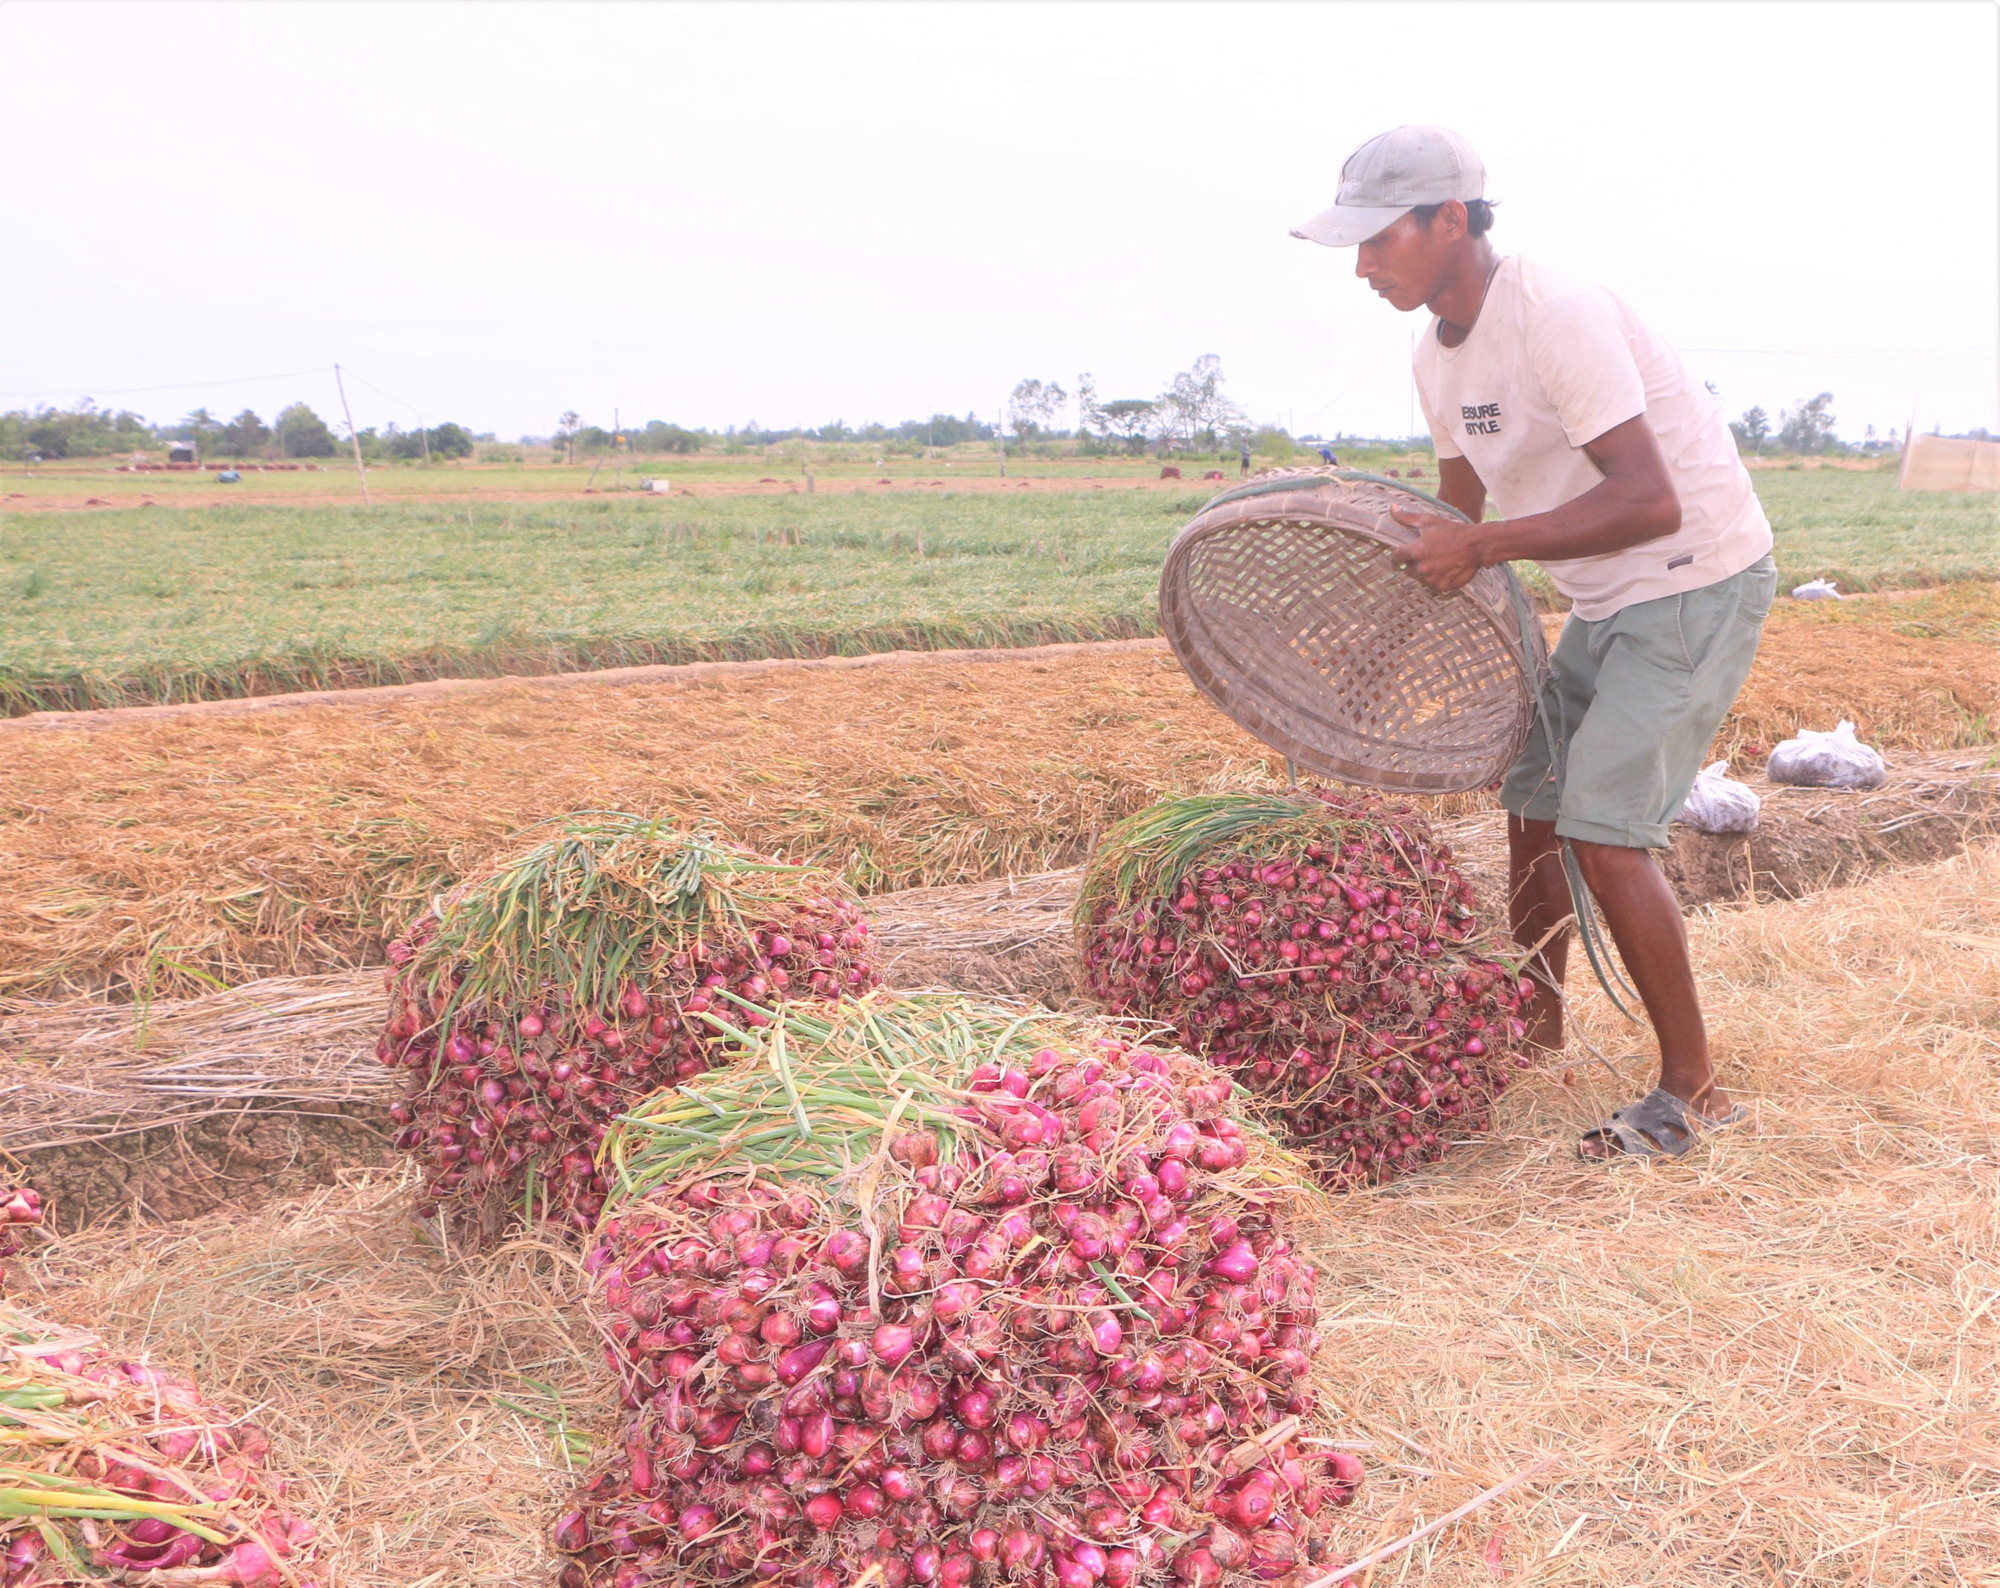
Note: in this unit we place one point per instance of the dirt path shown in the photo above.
(608, 677)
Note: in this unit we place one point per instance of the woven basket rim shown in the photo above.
(1502, 609)
(1274, 480)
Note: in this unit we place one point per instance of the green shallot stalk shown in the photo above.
(542, 998)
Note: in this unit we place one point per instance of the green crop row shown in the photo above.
(158, 604)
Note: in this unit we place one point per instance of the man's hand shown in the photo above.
(1635, 502)
(1445, 554)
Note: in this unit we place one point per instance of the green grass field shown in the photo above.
(158, 604)
(194, 601)
(1857, 528)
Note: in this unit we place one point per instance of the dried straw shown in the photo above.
(1772, 1362)
(78, 1071)
(92, 1072)
(1009, 938)
(148, 853)
(430, 1408)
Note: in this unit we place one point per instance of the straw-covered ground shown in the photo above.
(163, 853)
(270, 1088)
(430, 1410)
(1775, 1363)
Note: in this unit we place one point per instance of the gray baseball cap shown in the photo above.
(1390, 175)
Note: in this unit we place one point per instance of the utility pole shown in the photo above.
(352, 434)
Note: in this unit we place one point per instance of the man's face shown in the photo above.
(1404, 262)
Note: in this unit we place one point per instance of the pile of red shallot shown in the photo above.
(113, 1471)
(950, 1295)
(539, 999)
(1321, 947)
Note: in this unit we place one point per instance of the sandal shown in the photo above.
(1659, 1125)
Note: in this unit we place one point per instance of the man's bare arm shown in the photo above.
(1460, 486)
(1635, 502)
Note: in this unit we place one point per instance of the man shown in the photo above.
(1244, 472)
(1615, 471)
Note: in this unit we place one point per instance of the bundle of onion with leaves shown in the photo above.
(112, 1471)
(924, 1291)
(537, 1000)
(1322, 947)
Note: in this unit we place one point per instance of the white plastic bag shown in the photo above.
(1719, 804)
(1816, 590)
(1827, 760)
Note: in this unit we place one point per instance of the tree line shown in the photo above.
(1192, 413)
(572, 436)
(87, 431)
(1805, 427)
(298, 432)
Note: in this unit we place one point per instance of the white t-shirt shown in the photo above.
(1551, 365)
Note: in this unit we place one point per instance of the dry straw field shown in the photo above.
(161, 852)
(1774, 1364)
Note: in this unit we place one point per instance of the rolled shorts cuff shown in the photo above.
(1543, 805)
(1623, 835)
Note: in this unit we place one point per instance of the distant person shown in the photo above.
(1326, 456)
(1553, 396)
(1246, 460)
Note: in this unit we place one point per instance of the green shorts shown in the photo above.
(1636, 699)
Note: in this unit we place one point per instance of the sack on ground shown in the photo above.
(1816, 590)
(1827, 760)
(1719, 804)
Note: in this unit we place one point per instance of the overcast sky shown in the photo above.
(790, 214)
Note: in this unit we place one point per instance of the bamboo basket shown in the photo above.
(1281, 602)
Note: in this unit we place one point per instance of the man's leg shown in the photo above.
(1537, 903)
(1645, 920)
(1670, 669)
(1537, 889)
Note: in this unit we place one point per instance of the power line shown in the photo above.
(186, 385)
(237, 380)
(1846, 352)
(379, 392)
